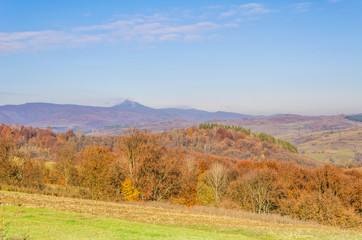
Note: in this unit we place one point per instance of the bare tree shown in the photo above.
(260, 189)
(217, 180)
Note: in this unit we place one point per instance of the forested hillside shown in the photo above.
(326, 139)
(212, 165)
(233, 142)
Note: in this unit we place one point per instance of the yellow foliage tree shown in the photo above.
(130, 193)
(205, 194)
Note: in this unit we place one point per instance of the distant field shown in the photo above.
(357, 118)
(334, 146)
(47, 217)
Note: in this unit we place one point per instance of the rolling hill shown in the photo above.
(327, 139)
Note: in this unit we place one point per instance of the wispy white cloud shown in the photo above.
(197, 27)
(253, 8)
(108, 26)
(302, 7)
(192, 37)
(246, 9)
(167, 37)
(136, 28)
(142, 30)
(24, 41)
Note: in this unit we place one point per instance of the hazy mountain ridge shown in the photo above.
(70, 116)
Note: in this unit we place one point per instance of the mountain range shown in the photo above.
(62, 117)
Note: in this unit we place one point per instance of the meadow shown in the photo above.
(33, 216)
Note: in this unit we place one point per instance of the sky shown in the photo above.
(251, 57)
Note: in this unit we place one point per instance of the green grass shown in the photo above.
(48, 224)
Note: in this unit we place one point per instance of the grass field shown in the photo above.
(47, 217)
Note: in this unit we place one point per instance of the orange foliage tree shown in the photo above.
(9, 173)
(66, 162)
(150, 167)
(95, 168)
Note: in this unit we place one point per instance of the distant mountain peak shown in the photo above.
(128, 104)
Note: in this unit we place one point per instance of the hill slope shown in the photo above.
(233, 144)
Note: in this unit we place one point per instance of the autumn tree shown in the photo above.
(188, 181)
(152, 168)
(325, 208)
(161, 175)
(135, 147)
(8, 169)
(217, 179)
(66, 163)
(32, 173)
(256, 190)
(129, 192)
(95, 168)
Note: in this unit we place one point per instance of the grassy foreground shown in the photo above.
(42, 221)
(48, 224)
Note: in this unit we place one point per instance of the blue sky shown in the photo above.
(253, 57)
